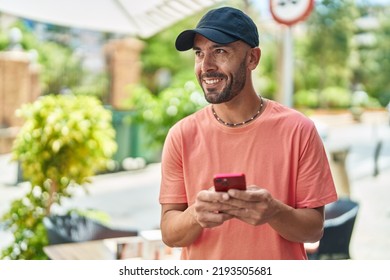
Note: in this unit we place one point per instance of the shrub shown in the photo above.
(64, 141)
(336, 97)
(306, 99)
(158, 113)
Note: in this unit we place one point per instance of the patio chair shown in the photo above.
(75, 228)
(340, 219)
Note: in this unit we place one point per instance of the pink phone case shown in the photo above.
(224, 182)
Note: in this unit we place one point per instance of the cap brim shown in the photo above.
(185, 40)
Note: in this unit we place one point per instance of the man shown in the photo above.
(278, 149)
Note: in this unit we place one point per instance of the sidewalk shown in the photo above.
(131, 198)
(370, 239)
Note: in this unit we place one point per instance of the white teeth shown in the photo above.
(210, 82)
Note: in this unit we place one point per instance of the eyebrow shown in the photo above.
(215, 46)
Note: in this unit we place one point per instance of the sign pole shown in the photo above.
(288, 67)
(289, 13)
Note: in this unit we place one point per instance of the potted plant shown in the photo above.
(64, 141)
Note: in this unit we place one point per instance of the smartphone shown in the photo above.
(224, 182)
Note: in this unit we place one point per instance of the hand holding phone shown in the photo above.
(224, 182)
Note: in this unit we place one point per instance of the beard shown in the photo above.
(233, 87)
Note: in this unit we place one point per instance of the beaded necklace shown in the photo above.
(240, 123)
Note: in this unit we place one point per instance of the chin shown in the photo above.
(212, 98)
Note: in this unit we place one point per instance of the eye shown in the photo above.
(197, 53)
(220, 51)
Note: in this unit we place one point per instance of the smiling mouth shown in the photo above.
(211, 81)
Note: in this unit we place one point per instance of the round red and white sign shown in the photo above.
(290, 12)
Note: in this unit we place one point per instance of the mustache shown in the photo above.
(213, 75)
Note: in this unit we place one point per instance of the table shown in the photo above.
(105, 249)
(148, 245)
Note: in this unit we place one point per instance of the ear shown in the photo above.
(254, 58)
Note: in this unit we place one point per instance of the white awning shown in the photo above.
(142, 18)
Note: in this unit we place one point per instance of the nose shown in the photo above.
(208, 63)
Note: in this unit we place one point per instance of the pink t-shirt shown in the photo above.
(280, 151)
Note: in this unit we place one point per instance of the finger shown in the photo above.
(213, 206)
(253, 188)
(213, 219)
(233, 204)
(212, 196)
(254, 194)
(204, 206)
(225, 207)
(239, 212)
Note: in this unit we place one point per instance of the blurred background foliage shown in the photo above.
(331, 63)
(330, 55)
(157, 113)
(62, 68)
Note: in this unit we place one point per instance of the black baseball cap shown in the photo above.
(223, 26)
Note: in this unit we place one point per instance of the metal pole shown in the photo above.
(288, 65)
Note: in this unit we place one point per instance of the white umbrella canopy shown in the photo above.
(142, 18)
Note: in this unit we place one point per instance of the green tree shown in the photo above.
(62, 68)
(158, 113)
(161, 57)
(323, 54)
(373, 65)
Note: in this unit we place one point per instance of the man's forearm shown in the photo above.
(180, 228)
(299, 225)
